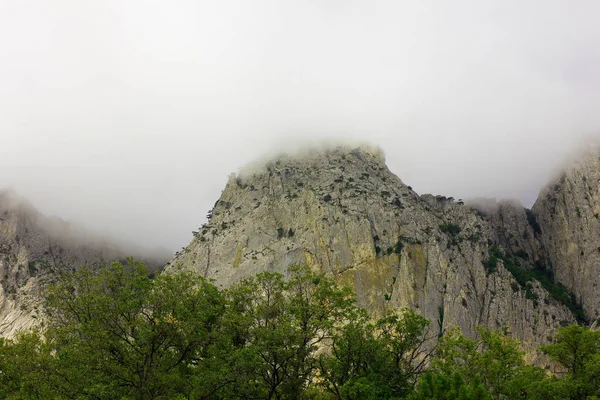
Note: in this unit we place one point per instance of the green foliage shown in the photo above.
(441, 320)
(452, 229)
(475, 237)
(577, 350)
(117, 333)
(490, 264)
(526, 277)
(26, 365)
(398, 247)
(533, 221)
(491, 366)
(522, 254)
(128, 335)
(380, 360)
(278, 326)
(32, 268)
(121, 333)
(437, 386)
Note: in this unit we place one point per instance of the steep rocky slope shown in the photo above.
(341, 211)
(34, 250)
(568, 212)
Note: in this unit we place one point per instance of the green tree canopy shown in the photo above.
(121, 333)
(577, 350)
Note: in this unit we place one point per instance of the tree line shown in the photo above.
(121, 333)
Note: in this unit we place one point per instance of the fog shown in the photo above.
(128, 116)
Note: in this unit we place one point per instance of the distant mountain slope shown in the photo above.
(34, 249)
(568, 211)
(341, 211)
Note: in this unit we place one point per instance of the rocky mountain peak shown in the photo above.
(362, 157)
(568, 211)
(342, 212)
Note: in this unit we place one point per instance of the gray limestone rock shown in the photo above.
(568, 213)
(34, 251)
(342, 212)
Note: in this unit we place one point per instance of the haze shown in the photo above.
(127, 116)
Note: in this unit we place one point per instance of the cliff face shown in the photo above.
(34, 251)
(568, 212)
(342, 212)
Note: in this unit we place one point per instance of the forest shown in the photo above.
(122, 332)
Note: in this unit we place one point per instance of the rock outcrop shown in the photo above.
(342, 212)
(34, 251)
(568, 213)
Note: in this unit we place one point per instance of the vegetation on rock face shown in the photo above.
(346, 212)
(451, 228)
(120, 332)
(533, 221)
(526, 276)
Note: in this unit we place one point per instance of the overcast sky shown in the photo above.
(127, 116)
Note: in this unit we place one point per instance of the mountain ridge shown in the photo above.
(35, 250)
(342, 212)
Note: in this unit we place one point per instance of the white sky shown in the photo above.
(128, 116)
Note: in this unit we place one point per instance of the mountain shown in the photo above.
(568, 213)
(342, 212)
(36, 249)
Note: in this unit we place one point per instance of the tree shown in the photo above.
(437, 386)
(350, 369)
(380, 360)
(122, 334)
(279, 326)
(26, 366)
(574, 346)
(494, 360)
(119, 332)
(577, 350)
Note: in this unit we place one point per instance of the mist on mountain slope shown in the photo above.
(38, 228)
(128, 116)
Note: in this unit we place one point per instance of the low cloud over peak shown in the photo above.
(129, 116)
